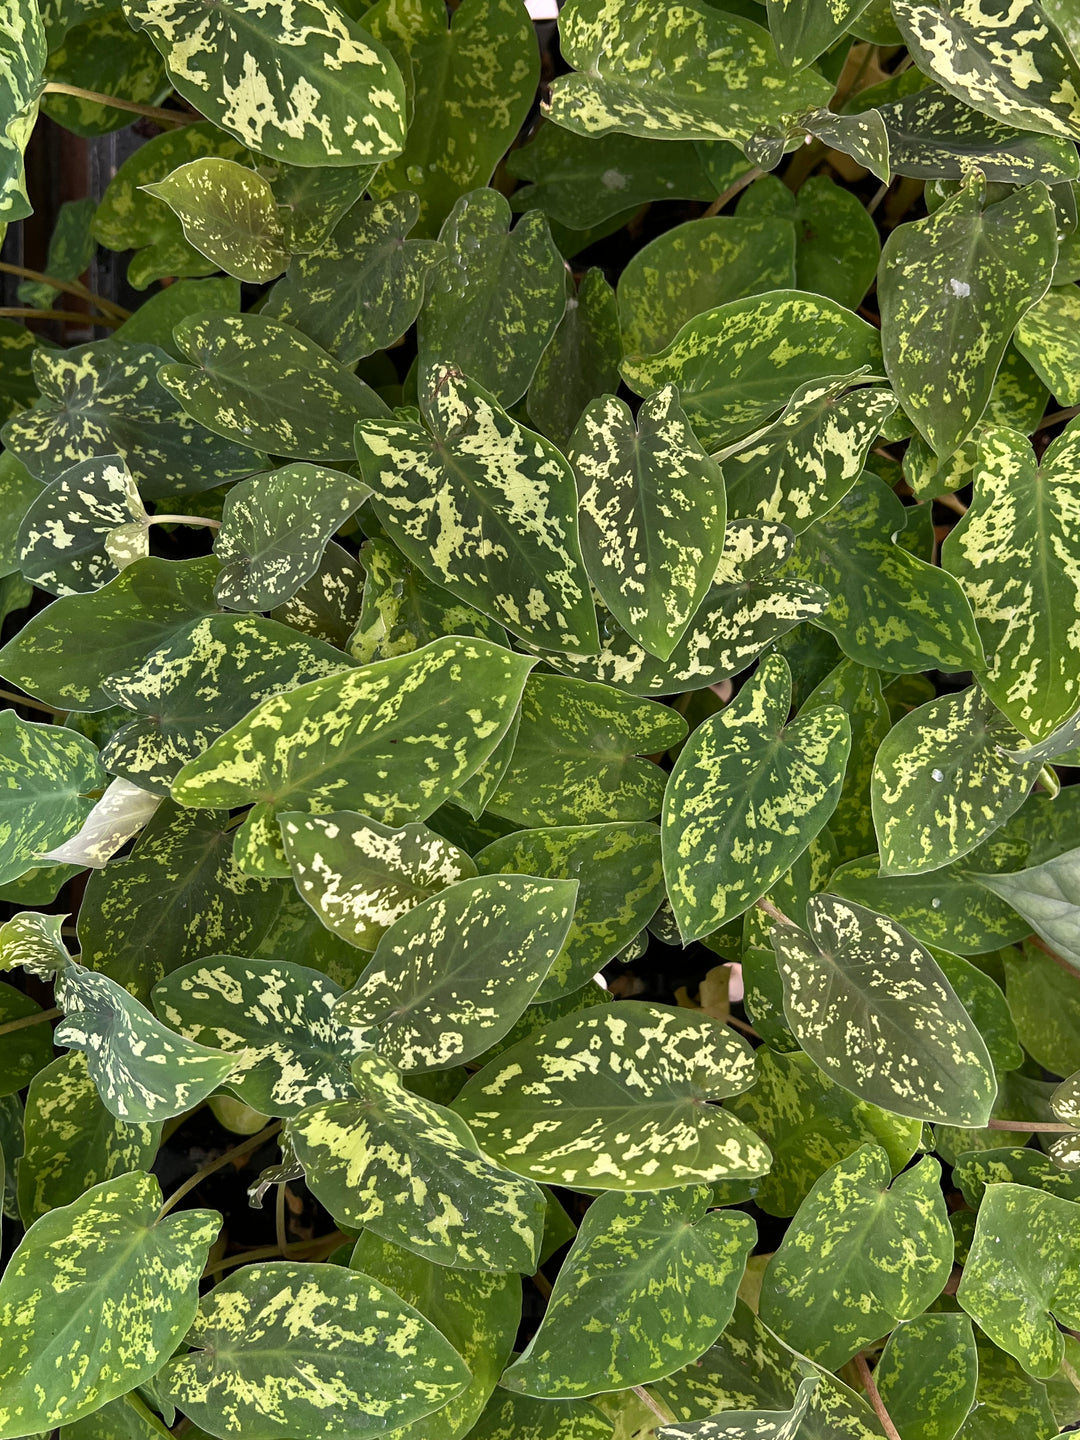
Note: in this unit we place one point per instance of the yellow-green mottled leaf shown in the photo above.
(857, 690)
(17, 387)
(803, 29)
(975, 1171)
(749, 1424)
(328, 605)
(1048, 898)
(1047, 339)
(661, 1271)
(95, 1298)
(485, 508)
(311, 202)
(740, 363)
(652, 515)
(952, 288)
(105, 57)
(228, 214)
(410, 1171)
(859, 1256)
(522, 1417)
(294, 79)
(452, 974)
(23, 54)
(874, 1011)
(927, 1376)
(616, 1100)
(581, 362)
(747, 795)
(32, 941)
(47, 774)
(1006, 1397)
(620, 885)
(334, 743)
(285, 1350)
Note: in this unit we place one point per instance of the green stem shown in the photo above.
(29, 703)
(68, 287)
(27, 1020)
(236, 1153)
(25, 312)
(152, 112)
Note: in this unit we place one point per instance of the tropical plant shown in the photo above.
(591, 843)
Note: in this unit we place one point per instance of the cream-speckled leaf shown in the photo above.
(803, 465)
(1012, 64)
(1046, 337)
(328, 605)
(942, 782)
(618, 1101)
(576, 759)
(952, 288)
(410, 1171)
(749, 1424)
(23, 53)
(144, 1072)
(740, 363)
(495, 299)
(1048, 898)
(451, 975)
(652, 515)
(857, 690)
(229, 215)
(859, 1256)
(486, 508)
(105, 399)
(48, 773)
(581, 362)
(690, 73)
(63, 537)
(803, 29)
(334, 743)
(32, 941)
(620, 885)
(72, 1141)
(274, 532)
(293, 79)
(661, 1271)
(95, 1298)
(363, 287)
(874, 1011)
(286, 1349)
(747, 795)
(359, 877)
(1021, 1274)
(1016, 555)
(263, 384)
(927, 1376)
(275, 1019)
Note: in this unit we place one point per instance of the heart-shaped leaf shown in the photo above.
(228, 214)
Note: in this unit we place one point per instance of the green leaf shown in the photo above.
(952, 288)
(1006, 1396)
(927, 1376)
(228, 214)
(620, 885)
(873, 1010)
(581, 362)
(1046, 337)
(653, 511)
(809, 1123)
(661, 1271)
(1045, 1005)
(105, 399)
(71, 248)
(328, 605)
(495, 299)
(1015, 554)
(975, 1171)
(63, 539)
(72, 1141)
(1021, 1274)
(274, 532)
(725, 84)
(17, 387)
(739, 363)
(738, 1425)
(804, 29)
(521, 1417)
(23, 54)
(364, 285)
(451, 975)
(485, 508)
(289, 1349)
(95, 1298)
(152, 323)
(106, 57)
(1048, 898)
(263, 384)
(957, 743)
(749, 788)
(410, 1171)
(297, 82)
(562, 1108)
(887, 609)
(857, 690)
(48, 773)
(334, 742)
(859, 1256)
(23, 1051)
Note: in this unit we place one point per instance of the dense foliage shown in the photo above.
(645, 544)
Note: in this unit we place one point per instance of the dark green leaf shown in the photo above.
(581, 361)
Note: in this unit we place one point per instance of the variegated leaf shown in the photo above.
(277, 1022)
(334, 742)
(228, 214)
(328, 605)
(738, 364)
(803, 29)
(486, 508)
(652, 515)
(581, 362)
(64, 534)
(410, 1171)
(975, 1171)
(743, 1424)
(521, 1417)
(747, 795)
(661, 1270)
(294, 79)
(451, 975)
(287, 1349)
(1048, 898)
(94, 1300)
(952, 288)
(874, 1011)
(859, 1256)
(857, 690)
(563, 1108)
(32, 941)
(262, 384)
(1046, 337)
(23, 53)
(48, 773)
(927, 1375)
(957, 743)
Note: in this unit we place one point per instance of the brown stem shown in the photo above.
(646, 1399)
(952, 503)
(298, 1250)
(875, 1399)
(542, 1283)
(743, 1026)
(1058, 416)
(1040, 944)
(953, 1282)
(152, 112)
(1070, 1374)
(731, 191)
(27, 1020)
(279, 1220)
(27, 312)
(775, 913)
(29, 703)
(236, 1153)
(67, 287)
(1043, 1127)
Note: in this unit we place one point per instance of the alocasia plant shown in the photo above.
(542, 690)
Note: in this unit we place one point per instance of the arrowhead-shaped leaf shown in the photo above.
(581, 362)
